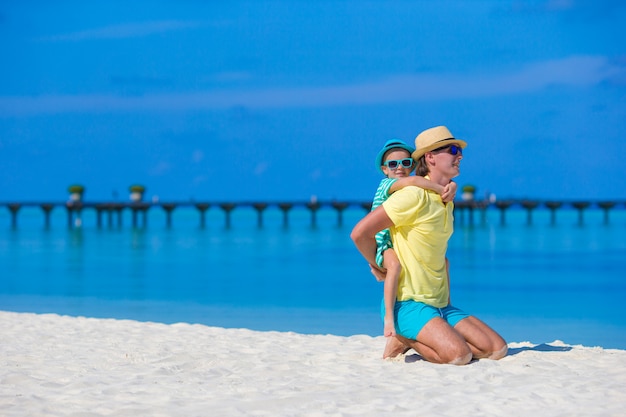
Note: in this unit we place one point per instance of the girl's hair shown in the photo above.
(421, 169)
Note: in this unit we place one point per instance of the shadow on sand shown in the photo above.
(411, 358)
(539, 348)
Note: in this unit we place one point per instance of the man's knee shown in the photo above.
(499, 353)
(459, 355)
(462, 359)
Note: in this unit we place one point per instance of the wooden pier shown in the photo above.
(111, 213)
(465, 209)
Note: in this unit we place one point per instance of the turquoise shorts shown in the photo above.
(411, 316)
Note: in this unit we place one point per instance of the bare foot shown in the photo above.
(394, 347)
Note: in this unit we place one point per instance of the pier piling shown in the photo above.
(482, 206)
(139, 208)
(529, 205)
(580, 206)
(606, 206)
(553, 206)
(503, 206)
(259, 207)
(470, 209)
(228, 208)
(313, 206)
(285, 207)
(340, 207)
(47, 209)
(74, 209)
(202, 208)
(118, 208)
(14, 209)
(169, 208)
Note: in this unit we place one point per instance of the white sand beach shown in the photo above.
(64, 366)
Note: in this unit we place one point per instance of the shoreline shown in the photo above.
(71, 366)
(309, 320)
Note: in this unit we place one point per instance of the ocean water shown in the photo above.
(535, 282)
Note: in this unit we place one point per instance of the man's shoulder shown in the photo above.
(410, 190)
(410, 194)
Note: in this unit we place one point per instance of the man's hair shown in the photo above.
(422, 168)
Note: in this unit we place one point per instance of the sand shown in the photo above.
(66, 366)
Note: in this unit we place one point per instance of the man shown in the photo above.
(421, 225)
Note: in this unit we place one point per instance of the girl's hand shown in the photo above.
(378, 274)
(449, 192)
(390, 329)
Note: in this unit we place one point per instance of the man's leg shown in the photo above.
(484, 342)
(438, 342)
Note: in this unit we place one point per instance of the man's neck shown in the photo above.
(438, 178)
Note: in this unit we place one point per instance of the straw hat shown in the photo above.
(389, 145)
(434, 138)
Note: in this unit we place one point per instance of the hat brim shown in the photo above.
(420, 152)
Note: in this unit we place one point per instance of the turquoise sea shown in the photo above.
(535, 282)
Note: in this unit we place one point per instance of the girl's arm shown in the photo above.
(390, 294)
(447, 193)
(417, 181)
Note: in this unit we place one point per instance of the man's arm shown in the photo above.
(364, 233)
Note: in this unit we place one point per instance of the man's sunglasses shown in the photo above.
(451, 149)
(395, 163)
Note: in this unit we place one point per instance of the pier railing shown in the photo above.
(112, 212)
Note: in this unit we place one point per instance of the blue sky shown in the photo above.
(282, 100)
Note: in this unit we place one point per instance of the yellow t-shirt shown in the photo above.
(422, 227)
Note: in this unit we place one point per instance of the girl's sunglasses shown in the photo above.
(451, 149)
(395, 163)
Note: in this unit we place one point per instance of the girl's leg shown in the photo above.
(394, 346)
